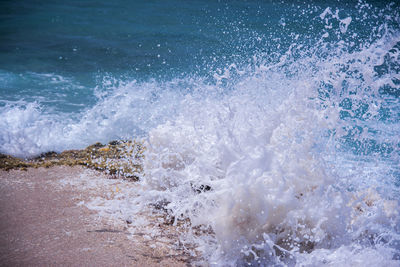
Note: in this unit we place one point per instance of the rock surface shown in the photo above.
(118, 158)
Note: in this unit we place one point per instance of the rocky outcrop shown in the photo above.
(117, 158)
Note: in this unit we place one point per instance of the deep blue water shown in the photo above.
(85, 41)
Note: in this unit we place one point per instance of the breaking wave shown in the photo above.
(291, 158)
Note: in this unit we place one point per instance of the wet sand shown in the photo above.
(45, 222)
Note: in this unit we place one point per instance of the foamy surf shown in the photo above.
(263, 177)
(267, 170)
(286, 159)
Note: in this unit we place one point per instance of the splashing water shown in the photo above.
(289, 157)
(296, 165)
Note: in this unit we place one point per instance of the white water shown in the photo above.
(128, 111)
(275, 150)
(274, 172)
(283, 188)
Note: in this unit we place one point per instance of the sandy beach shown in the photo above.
(54, 216)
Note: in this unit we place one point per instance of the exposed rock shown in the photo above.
(118, 158)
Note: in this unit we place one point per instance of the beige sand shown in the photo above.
(44, 221)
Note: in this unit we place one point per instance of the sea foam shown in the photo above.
(286, 160)
(293, 166)
(274, 193)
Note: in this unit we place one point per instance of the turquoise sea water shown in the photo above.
(297, 98)
(58, 53)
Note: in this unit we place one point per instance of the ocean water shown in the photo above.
(271, 126)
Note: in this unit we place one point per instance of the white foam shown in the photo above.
(266, 165)
(128, 112)
(270, 153)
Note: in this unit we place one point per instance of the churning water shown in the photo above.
(273, 128)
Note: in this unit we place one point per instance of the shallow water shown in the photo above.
(288, 112)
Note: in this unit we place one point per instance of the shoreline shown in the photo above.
(98, 156)
(58, 216)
